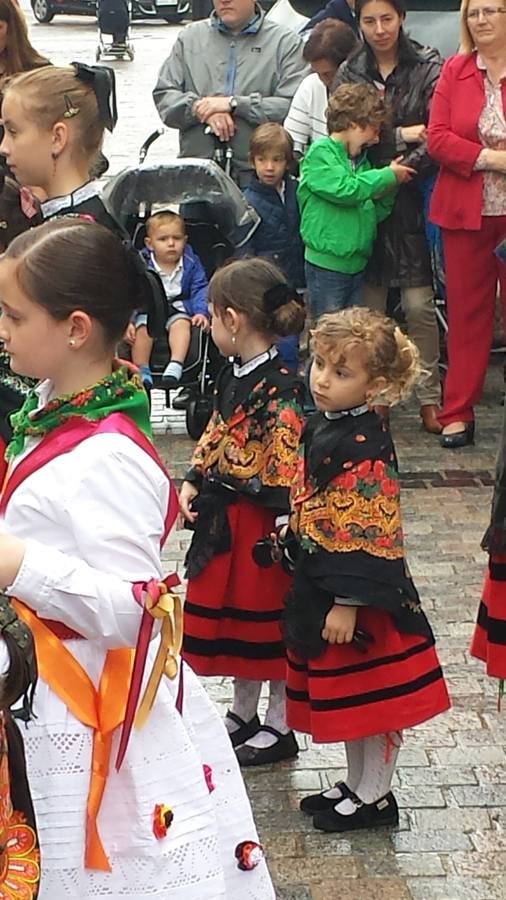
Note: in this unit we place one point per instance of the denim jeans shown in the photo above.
(329, 291)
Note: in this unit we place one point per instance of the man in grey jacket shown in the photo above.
(225, 76)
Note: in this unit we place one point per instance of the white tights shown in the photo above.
(371, 765)
(246, 697)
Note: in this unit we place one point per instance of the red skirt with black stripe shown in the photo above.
(233, 608)
(344, 694)
(489, 638)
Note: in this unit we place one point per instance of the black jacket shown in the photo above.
(401, 256)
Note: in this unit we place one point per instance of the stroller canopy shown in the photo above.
(198, 185)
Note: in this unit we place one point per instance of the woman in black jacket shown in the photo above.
(406, 74)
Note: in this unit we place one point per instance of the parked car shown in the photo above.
(171, 10)
(434, 23)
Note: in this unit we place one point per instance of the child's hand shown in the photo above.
(340, 625)
(187, 494)
(129, 335)
(401, 172)
(202, 321)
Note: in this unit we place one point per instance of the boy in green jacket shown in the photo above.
(342, 198)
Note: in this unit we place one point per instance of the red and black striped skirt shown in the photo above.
(344, 694)
(489, 638)
(233, 608)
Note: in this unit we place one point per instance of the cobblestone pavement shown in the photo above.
(451, 778)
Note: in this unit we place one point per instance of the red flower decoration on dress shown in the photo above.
(248, 855)
(208, 774)
(162, 820)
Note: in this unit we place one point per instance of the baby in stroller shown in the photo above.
(113, 18)
(167, 252)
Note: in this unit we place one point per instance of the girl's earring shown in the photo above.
(233, 338)
(54, 158)
(72, 342)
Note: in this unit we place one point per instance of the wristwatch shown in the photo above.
(233, 104)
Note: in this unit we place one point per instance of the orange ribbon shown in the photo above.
(102, 710)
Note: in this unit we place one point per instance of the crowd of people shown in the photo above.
(296, 569)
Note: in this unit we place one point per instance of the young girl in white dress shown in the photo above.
(85, 508)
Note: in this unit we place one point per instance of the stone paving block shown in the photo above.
(427, 841)
(481, 795)
(305, 780)
(457, 757)
(316, 869)
(453, 819)
(452, 888)
(438, 776)
(294, 892)
(420, 864)
(480, 863)
(420, 797)
(364, 889)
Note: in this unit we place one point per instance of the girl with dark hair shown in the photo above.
(54, 120)
(235, 493)
(406, 74)
(88, 580)
(328, 45)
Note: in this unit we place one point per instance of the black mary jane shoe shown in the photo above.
(383, 813)
(245, 731)
(316, 803)
(459, 439)
(286, 747)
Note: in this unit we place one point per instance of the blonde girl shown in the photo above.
(361, 660)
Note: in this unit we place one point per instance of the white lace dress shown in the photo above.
(92, 519)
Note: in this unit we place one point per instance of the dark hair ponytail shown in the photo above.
(70, 263)
(257, 288)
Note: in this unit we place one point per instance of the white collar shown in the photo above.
(44, 391)
(160, 271)
(252, 364)
(56, 204)
(341, 413)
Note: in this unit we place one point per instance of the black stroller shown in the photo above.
(113, 18)
(217, 219)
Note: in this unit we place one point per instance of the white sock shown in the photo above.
(246, 697)
(173, 370)
(380, 757)
(355, 761)
(275, 718)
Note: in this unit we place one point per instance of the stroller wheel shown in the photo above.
(198, 413)
(98, 54)
(130, 52)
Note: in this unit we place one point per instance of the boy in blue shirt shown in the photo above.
(184, 279)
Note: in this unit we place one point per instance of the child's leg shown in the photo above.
(179, 335)
(141, 353)
(371, 804)
(327, 799)
(245, 705)
(275, 718)
(141, 349)
(274, 740)
(380, 757)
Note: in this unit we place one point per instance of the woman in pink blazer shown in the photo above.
(467, 137)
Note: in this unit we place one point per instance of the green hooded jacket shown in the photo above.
(341, 202)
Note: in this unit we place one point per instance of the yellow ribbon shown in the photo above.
(168, 607)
